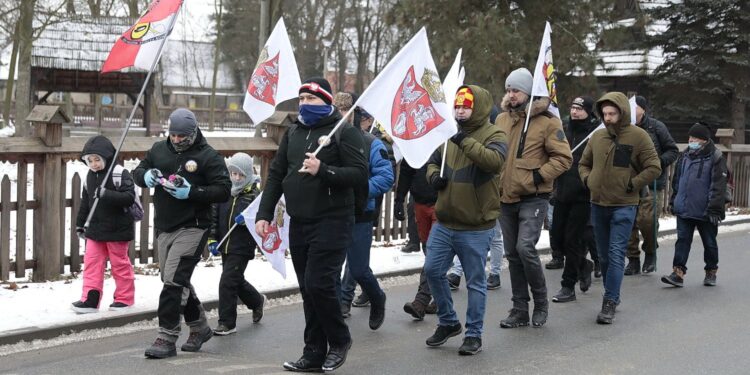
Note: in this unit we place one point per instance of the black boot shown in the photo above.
(649, 263)
(443, 333)
(516, 318)
(196, 339)
(90, 305)
(472, 345)
(597, 269)
(453, 281)
(161, 348)
(539, 316)
(415, 309)
(607, 315)
(377, 313)
(584, 280)
(410, 247)
(336, 357)
(362, 300)
(555, 264)
(633, 267)
(305, 364)
(565, 295)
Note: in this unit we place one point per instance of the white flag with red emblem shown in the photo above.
(275, 78)
(276, 241)
(545, 75)
(139, 45)
(633, 105)
(407, 97)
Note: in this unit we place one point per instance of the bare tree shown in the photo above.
(217, 51)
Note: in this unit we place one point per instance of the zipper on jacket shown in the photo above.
(229, 222)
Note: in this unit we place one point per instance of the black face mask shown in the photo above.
(462, 122)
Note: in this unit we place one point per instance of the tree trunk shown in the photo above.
(739, 115)
(133, 9)
(11, 75)
(217, 52)
(23, 90)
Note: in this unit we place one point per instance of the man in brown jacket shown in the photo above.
(535, 159)
(618, 161)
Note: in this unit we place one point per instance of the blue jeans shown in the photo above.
(358, 267)
(612, 226)
(685, 230)
(471, 247)
(496, 255)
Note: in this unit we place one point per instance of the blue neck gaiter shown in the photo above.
(309, 114)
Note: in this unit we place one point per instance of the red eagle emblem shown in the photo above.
(272, 239)
(264, 81)
(413, 113)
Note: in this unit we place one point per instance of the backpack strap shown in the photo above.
(117, 175)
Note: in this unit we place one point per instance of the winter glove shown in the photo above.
(538, 180)
(151, 177)
(398, 210)
(81, 233)
(630, 187)
(181, 192)
(99, 192)
(458, 137)
(438, 183)
(213, 247)
(239, 220)
(714, 219)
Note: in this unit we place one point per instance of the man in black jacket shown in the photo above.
(320, 197)
(188, 176)
(572, 206)
(645, 221)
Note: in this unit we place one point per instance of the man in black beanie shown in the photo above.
(646, 222)
(320, 198)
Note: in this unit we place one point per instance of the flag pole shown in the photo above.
(442, 163)
(323, 144)
(130, 118)
(522, 140)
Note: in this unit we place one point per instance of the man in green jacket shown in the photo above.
(467, 208)
(618, 161)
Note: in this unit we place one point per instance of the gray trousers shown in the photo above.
(179, 253)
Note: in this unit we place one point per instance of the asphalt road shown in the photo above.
(658, 330)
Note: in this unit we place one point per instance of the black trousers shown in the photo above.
(568, 233)
(318, 251)
(233, 285)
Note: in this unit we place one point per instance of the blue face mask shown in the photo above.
(310, 114)
(694, 146)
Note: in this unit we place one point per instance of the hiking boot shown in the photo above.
(223, 330)
(565, 295)
(117, 306)
(607, 315)
(346, 310)
(633, 267)
(90, 305)
(710, 279)
(649, 263)
(410, 247)
(443, 333)
(431, 308)
(555, 264)
(304, 364)
(258, 312)
(336, 357)
(675, 278)
(362, 300)
(453, 281)
(472, 345)
(516, 318)
(493, 281)
(597, 269)
(539, 316)
(377, 314)
(161, 348)
(415, 309)
(584, 280)
(196, 340)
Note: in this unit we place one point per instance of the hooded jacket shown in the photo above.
(618, 160)
(111, 220)
(471, 201)
(202, 167)
(568, 186)
(699, 184)
(545, 149)
(222, 218)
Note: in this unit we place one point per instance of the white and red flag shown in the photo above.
(276, 241)
(545, 75)
(407, 97)
(275, 78)
(139, 45)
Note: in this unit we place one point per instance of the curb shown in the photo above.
(118, 321)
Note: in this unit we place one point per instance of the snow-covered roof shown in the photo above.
(629, 63)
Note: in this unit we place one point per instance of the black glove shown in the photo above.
(630, 187)
(458, 137)
(538, 180)
(398, 210)
(438, 183)
(714, 219)
(81, 233)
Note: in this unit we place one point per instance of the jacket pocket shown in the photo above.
(523, 178)
(623, 154)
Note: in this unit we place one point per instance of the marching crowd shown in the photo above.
(487, 192)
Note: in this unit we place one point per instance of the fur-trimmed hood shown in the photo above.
(538, 106)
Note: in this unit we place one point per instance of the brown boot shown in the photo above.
(710, 279)
(415, 309)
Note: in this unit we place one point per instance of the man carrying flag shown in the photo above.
(321, 203)
(467, 209)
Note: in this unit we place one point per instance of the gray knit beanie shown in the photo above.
(520, 79)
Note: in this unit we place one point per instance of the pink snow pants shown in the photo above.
(94, 262)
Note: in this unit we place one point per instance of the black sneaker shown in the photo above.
(415, 309)
(362, 300)
(196, 339)
(346, 310)
(674, 279)
(258, 312)
(304, 365)
(453, 281)
(493, 281)
(539, 316)
(555, 264)
(223, 330)
(90, 305)
(161, 348)
(336, 357)
(472, 345)
(516, 318)
(607, 315)
(584, 281)
(649, 263)
(410, 247)
(377, 314)
(633, 267)
(564, 295)
(597, 269)
(117, 306)
(710, 279)
(443, 333)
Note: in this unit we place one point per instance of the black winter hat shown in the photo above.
(585, 102)
(319, 87)
(641, 102)
(701, 131)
